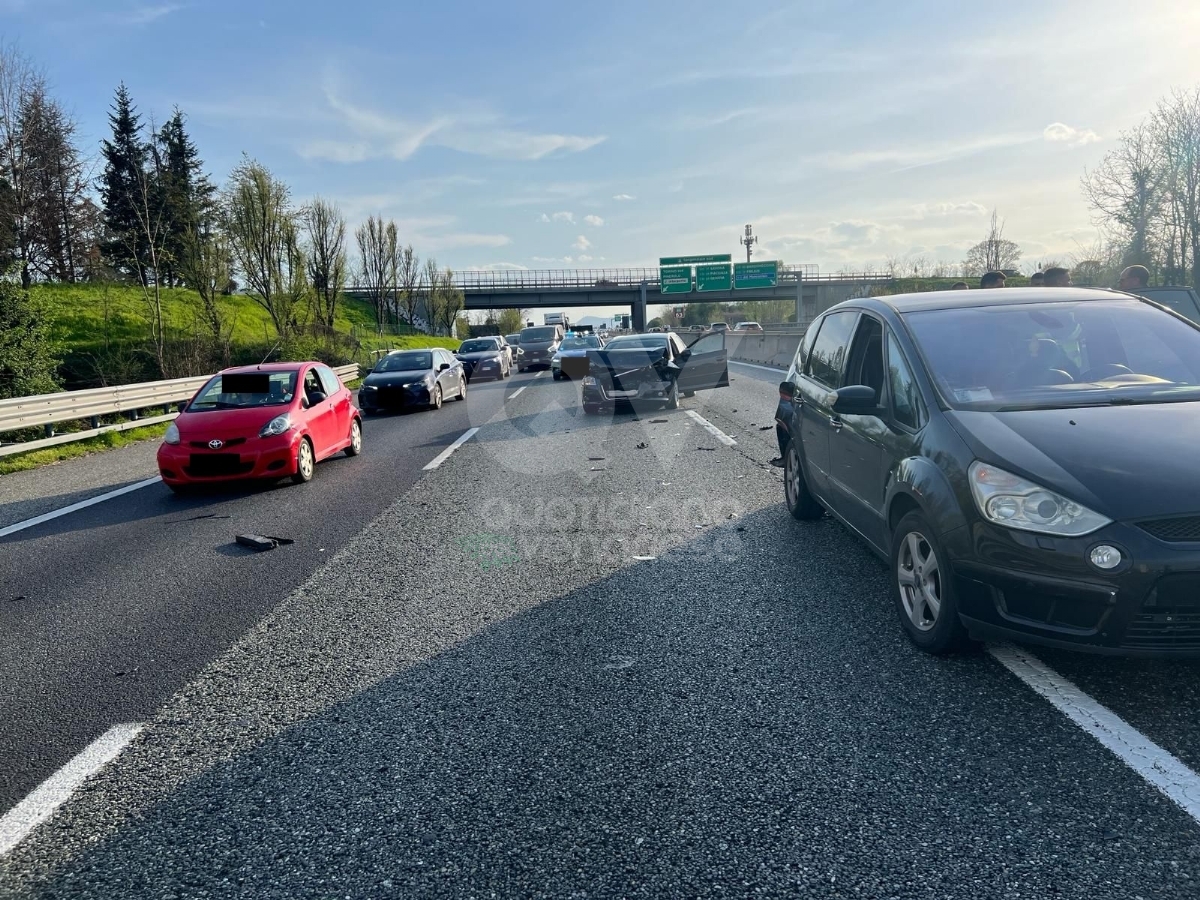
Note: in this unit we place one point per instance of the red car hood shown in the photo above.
(226, 423)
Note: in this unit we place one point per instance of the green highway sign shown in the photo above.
(713, 277)
(675, 279)
(694, 260)
(755, 274)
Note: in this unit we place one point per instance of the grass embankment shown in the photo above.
(34, 459)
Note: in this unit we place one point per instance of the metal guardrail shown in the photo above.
(47, 410)
(616, 279)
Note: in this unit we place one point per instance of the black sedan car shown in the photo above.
(1025, 460)
(652, 369)
(407, 379)
(485, 358)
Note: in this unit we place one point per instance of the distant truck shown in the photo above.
(557, 319)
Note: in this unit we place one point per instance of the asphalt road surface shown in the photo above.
(582, 657)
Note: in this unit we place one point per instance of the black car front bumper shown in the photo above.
(1029, 587)
(384, 398)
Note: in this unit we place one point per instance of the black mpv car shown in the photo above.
(1027, 460)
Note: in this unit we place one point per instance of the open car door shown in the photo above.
(704, 365)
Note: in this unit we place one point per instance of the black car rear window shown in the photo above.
(538, 334)
(405, 362)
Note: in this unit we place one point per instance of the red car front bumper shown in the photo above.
(194, 462)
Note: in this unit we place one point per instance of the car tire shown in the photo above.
(922, 580)
(355, 447)
(689, 394)
(306, 462)
(435, 402)
(673, 396)
(462, 390)
(803, 506)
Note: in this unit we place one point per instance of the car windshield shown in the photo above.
(246, 390)
(579, 343)
(478, 346)
(634, 341)
(405, 362)
(513, 338)
(1058, 355)
(533, 335)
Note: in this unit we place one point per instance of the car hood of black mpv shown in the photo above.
(1125, 461)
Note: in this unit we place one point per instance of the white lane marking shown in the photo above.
(712, 429)
(75, 507)
(737, 362)
(445, 454)
(52, 793)
(540, 374)
(1156, 765)
(517, 391)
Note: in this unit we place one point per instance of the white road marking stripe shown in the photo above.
(75, 507)
(1156, 765)
(712, 429)
(517, 391)
(540, 374)
(738, 362)
(445, 454)
(52, 793)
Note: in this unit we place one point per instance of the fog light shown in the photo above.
(1104, 556)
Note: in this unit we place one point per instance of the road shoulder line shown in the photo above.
(1156, 765)
(75, 507)
(712, 429)
(41, 803)
(449, 451)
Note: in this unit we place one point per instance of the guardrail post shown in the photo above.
(132, 415)
(49, 429)
(94, 422)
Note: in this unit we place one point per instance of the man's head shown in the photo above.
(992, 280)
(1134, 278)
(1037, 279)
(960, 286)
(1057, 276)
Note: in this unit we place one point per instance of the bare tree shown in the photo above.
(264, 237)
(431, 277)
(377, 248)
(408, 278)
(450, 302)
(1176, 122)
(1126, 192)
(19, 81)
(994, 253)
(206, 264)
(325, 229)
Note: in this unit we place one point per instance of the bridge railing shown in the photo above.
(621, 279)
(131, 400)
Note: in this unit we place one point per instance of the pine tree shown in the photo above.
(186, 195)
(125, 160)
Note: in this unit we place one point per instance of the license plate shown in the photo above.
(576, 367)
(215, 463)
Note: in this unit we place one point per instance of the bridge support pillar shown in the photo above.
(799, 299)
(638, 320)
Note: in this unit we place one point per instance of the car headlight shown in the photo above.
(520, 352)
(589, 381)
(171, 435)
(1013, 502)
(278, 425)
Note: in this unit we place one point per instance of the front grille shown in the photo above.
(232, 442)
(1170, 617)
(1179, 530)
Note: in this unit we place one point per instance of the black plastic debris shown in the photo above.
(641, 445)
(708, 449)
(595, 458)
(261, 542)
(656, 421)
(16, 599)
(200, 517)
(766, 427)
(777, 462)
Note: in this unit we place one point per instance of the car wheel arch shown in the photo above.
(918, 484)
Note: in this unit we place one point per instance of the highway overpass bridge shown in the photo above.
(639, 288)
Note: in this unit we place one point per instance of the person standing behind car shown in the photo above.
(1057, 276)
(1037, 279)
(1134, 278)
(992, 280)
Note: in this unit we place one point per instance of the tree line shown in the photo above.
(144, 211)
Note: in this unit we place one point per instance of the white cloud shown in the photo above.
(594, 221)
(623, 197)
(965, 208)
(144, 15)
(498, 267)
(567, 217)
(1059, 133)
(582, 243)
(464, 239)
(544, 218)
(336, 151)
(583, 257)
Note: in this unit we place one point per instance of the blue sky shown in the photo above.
(554, 134)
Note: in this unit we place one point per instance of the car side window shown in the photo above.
(828, 354)
(806, 343)
(329, 380)
(865, 364)
(710, 343)
(906, 397)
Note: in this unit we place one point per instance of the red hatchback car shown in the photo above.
(267, 421)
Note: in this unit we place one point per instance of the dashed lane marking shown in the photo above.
(712, 429)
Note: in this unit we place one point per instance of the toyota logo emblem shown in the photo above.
(215, 444)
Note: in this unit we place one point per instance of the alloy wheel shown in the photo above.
(920, 579)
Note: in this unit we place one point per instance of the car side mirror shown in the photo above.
(855, 399)
(304, 404)
(787, 389)
(443, 367)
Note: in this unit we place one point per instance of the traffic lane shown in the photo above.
(109, 610)
(739, 714)
(24, 495)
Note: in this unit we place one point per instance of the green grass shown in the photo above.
(20, 462)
